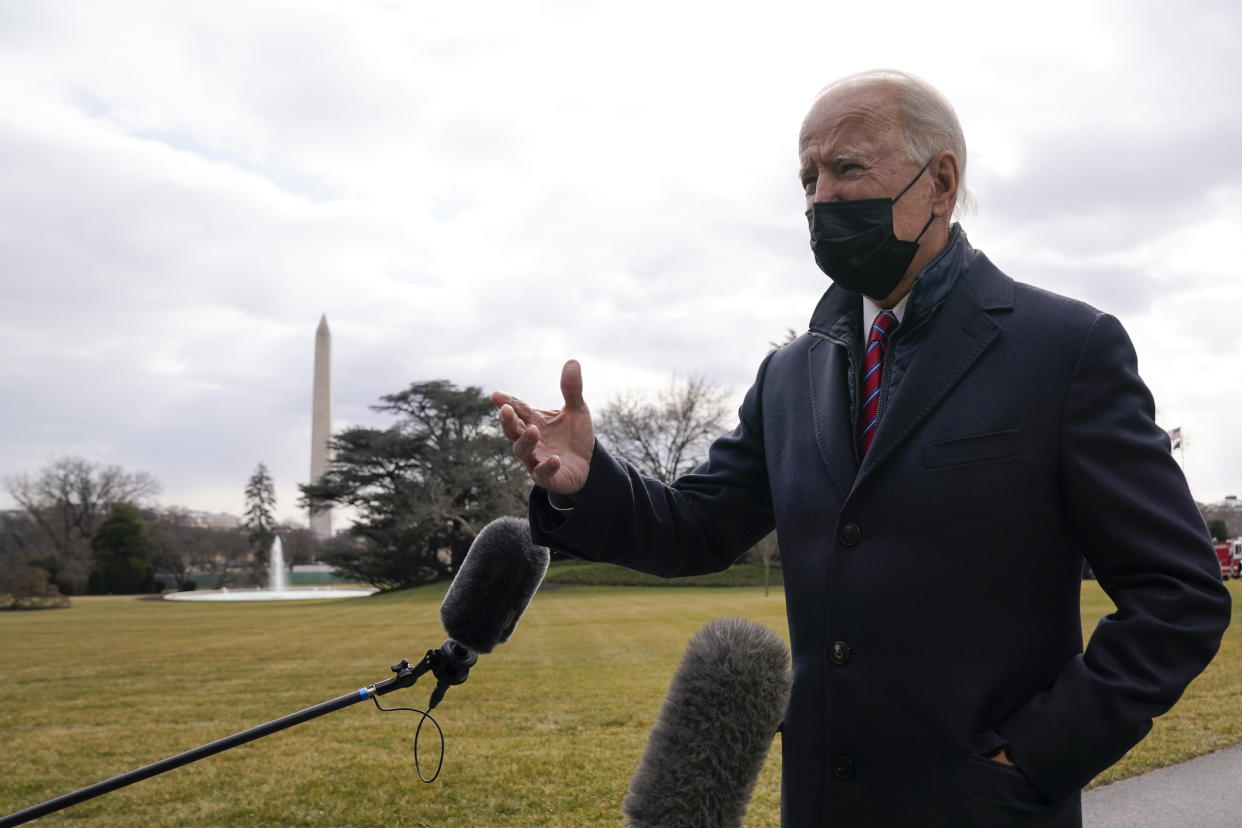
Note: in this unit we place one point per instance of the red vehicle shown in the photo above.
(1229, 554)
(1225, 556)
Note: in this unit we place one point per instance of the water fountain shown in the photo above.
(278, 588)
(276, 566)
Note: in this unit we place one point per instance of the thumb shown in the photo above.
(571, 386)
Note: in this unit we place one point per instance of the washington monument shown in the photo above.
(321, 421)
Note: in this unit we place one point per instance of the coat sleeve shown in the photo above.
(701, 523)
(1127, 506)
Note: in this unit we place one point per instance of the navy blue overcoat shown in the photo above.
(933, 591)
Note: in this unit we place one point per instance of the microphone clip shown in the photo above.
(451, 666)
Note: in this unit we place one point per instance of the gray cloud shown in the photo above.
(479, 193)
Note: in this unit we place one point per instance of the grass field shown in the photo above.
(545, 733)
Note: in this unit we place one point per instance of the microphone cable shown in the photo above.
(426, 716)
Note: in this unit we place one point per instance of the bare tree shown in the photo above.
(768, 553)
(666, 436)
(790, 336)
(183, 549)
(23, 586)
(669, 435)
(301, 545)
(68, 500)
(174, 543)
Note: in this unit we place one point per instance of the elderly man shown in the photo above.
(938, 454)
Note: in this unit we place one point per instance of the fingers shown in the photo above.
(524, 447)
(571, 386)
(501, 399)
(525, 439)
(510, 424)
(543, 473)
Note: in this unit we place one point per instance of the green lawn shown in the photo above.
(546, 732)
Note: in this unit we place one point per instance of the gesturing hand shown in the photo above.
(555, 446)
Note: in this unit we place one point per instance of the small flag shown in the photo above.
(1175, 438)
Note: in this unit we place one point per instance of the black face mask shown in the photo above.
(854, 244)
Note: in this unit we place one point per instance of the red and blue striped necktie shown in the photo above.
(873, 373)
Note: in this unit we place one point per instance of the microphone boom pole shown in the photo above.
(501, 572)
(406, 675)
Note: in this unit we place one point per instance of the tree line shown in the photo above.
(418, 491)
(86, 527)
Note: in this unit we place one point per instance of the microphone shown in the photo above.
(499, 575)
(721, 711)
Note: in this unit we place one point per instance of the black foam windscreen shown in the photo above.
(498, 577)
(709, 743)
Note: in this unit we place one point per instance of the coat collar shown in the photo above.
(838, 314)
(960, 291)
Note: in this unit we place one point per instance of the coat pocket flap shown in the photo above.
(977, 448)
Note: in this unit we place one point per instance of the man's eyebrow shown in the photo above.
(837, 154)
(848, 154)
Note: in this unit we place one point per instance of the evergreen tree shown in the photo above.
(122, 553)
(260, 518)
(422, 488)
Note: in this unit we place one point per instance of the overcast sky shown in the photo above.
(477, 191)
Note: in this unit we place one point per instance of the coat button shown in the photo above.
(842, 767)
(840, 652)
(850, 534)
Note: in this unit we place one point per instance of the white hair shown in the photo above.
(929, 124)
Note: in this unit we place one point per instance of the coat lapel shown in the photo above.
(829, 366)
(834, 324)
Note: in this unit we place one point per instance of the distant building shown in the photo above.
(203, 520)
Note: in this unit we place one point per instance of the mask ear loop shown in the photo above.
(919, 175)
(930, 219)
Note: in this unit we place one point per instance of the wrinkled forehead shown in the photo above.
(851, 120)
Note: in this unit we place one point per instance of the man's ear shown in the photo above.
(945, 177)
